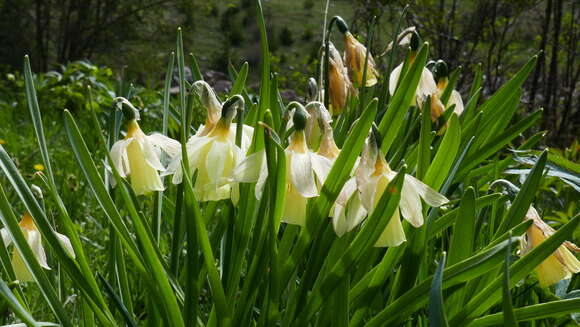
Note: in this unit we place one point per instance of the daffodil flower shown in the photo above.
(354, 57)
(214, 156)
(426, 86)
(340, 85)
(305, 170)
(373, 177)
(138, 155)
(559, 265)
(213, 107)
(33, 237)
(441, 75)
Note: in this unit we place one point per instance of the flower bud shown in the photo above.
(231, 106)
(300, 118)
(129, 111)
(341, 24)
(312, 90)
(415, 41)
(440, 71)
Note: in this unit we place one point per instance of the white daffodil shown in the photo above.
(305, 171)
(138, 155)
(559, 265)
(33, 237)
(373, 178)
(213, 107)
(214, 156)
(340, 85)
(426, 87)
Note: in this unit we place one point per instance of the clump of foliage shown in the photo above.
(215, 247)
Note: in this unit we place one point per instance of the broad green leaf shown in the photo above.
(508, 309)
(463, 236)
(240, 82)
(223, 309)
(34, 110)
(453, 77)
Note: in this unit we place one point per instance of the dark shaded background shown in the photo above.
(135, 37)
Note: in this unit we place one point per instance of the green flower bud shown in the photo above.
(300, 117)
(341, 24)
(231, 106)
(415, 41)
(440, 70)
(129, 111)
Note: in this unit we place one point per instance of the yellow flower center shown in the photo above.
(221, 130)
(27, 222)
(298, 142)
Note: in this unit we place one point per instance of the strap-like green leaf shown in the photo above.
(437, 316)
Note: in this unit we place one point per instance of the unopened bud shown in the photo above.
(129, 111)
(415, 41)
(341, 24)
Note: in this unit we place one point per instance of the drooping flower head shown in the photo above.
(403, 39)
(138, 155)
(559, 265)
(305, 170)
(441, 76)
(33, 238)
(373, 177)
(313, 131)
(211, 103)
(340, 85)
(354, 56)
(313, 93)
(300, 171)
(426, 86)
(214, 157)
